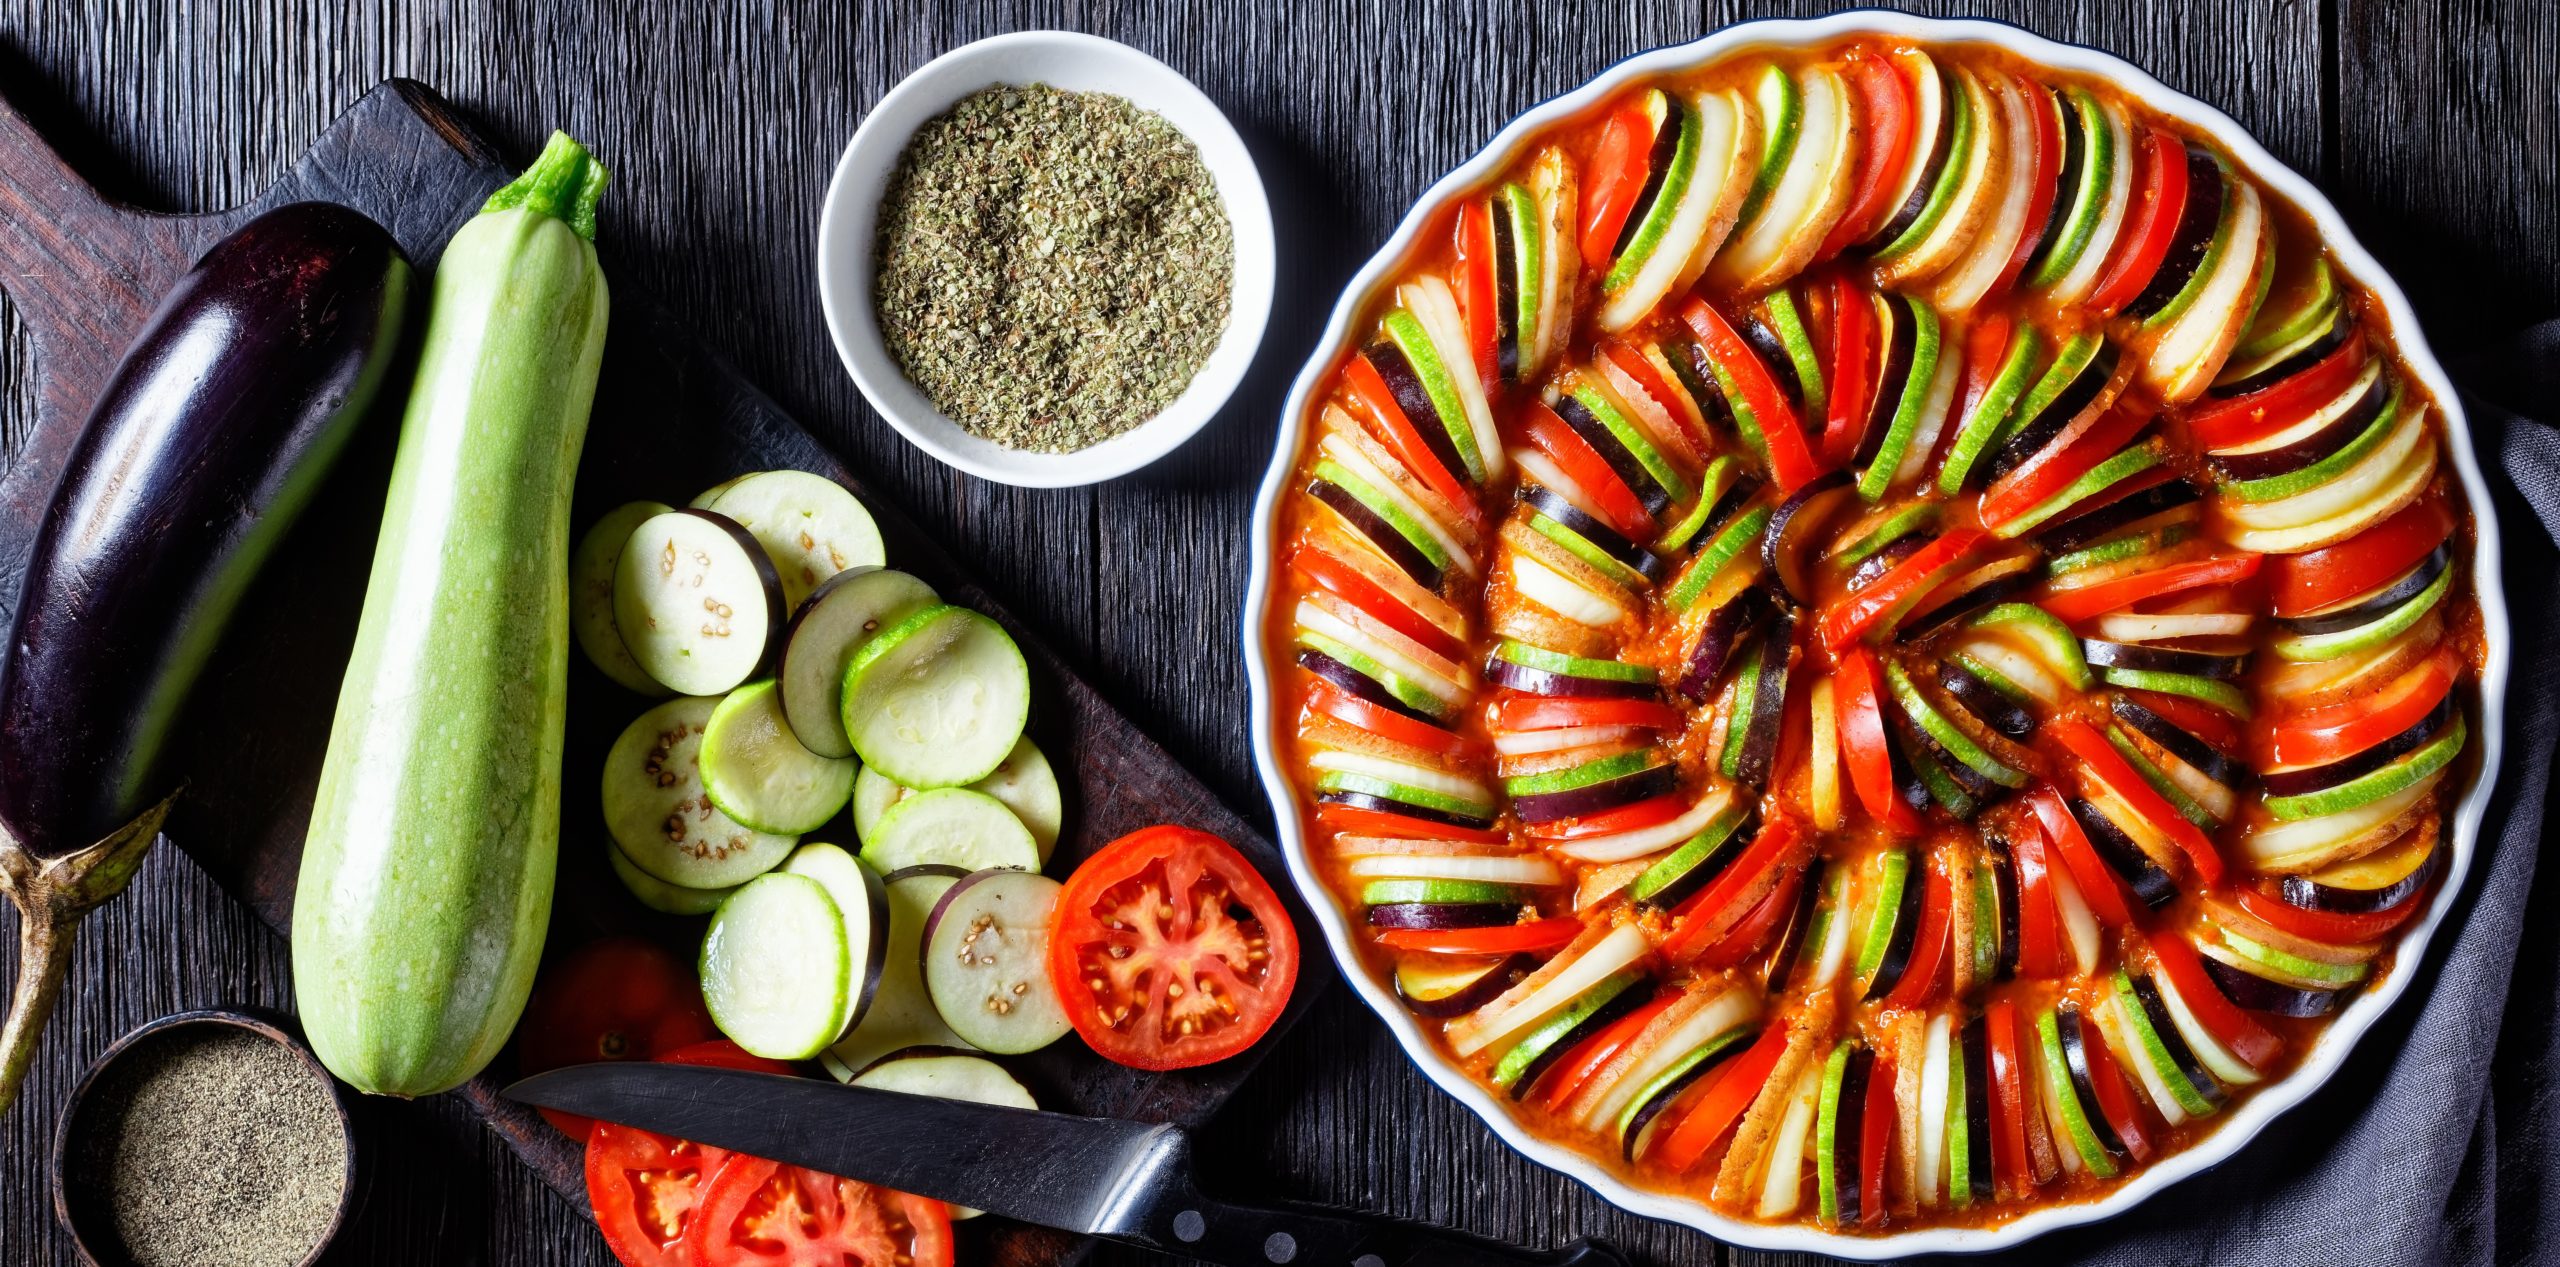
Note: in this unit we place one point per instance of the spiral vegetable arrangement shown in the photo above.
(1877, 636)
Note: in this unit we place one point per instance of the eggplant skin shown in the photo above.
(212, 435)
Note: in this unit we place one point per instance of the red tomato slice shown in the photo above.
(758, 1213)
(1660, 809)
(2115, 1099)
(1535, 937)
(1919, 981)
(1720, 1100)
(1537, 712)
(2092, 601)
(1885, 152)
(1476, 289)
(1613, 180)
(1853, 368)
(1170, 950)
(2097, 882)
(1575, 1070)
(2343, 729)
(1386, 723)
(1361, 821)
(1862, 742)
(619, 998)
(1702, 919)
(2047, 186)
(2225, 424)
(2155, 215)
(1791, 462)
(2328, 927)
(2252, 1042)
(2040, 937)
(645, 1186)
(2218, 729)
(2298, 584)
(1398, 431)
(2108, 766)
(1875, 1139)
(1986, 345)
(2008, 1100)
(1636, 366)
(1610, 496)
(1745, 938)
(2055, 466)
(1367, 595)
(1895, 591)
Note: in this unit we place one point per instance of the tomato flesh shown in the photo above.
(2054, 467)
(1896, 591)
(1538, 936)
(1884, 106)
(1720, 1101)
(1541, 712)
(2337, 731)
(2328, 927)
(2156, 212)
(1862, 742)
(1919, 981)
(618, 998)
(645, 1187)
(1610, 497)
(1476, 289)
(1370, 389)
(1171, 951)
(1614, 180)
(1701, 920)
(2298, 584)
(1575, 1070)
(2090, 601)
(2226, 424)
(2108, 766)
(2252, 1042)
(1853, 370)
(2097, 882)
(1791, 461)
(759, 1213)
(1386, 723)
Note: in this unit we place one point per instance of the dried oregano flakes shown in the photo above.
(1053, 268)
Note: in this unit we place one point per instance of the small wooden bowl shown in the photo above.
(84, 1213)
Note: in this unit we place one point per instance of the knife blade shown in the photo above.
(1120, 1180)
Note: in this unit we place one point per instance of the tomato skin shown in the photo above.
(1702, 920)
(1544, 712)
(1919, 981)
(1351, 710)
(2089, 602)
(1884, 106)
(1853, 368)
(1538, 936)
(1193, 875)
(2252, 1042)
(1321, 567)
(2328, 927)
(2302, 583)
(1613, 181)
(2115, 1099)
(2226, 424)
(1875, 1139)
(1367, 387)
(2008, 1100)
(1575, 1070)
(1476, 288)
(1720, 1101)
(2040, 936)
(2341, 730)
(2053, 468)
(2145, 241)
(1791, 460)
(1744, 939)
(2219, 730)
(1370, 822)
(2098, 884)
(617, 998)
(2047, 186)
(2108, 766)
(1862, 742)
(1660, 809)
(1616, 503)
(840, 1223)
(1850, 618)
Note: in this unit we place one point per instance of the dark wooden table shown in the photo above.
(2435, 126)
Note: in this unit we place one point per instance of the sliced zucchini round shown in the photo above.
(952, 827)
(950, 1074)
(838, 618)
(775, 968)
(863, 901)
(759, 773)
(939, 700)
(1025, 783)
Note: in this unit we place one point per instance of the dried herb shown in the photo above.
(1053, 267)
(213, 1147)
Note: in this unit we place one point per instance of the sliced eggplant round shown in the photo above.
(1439, 988)
(986, 961)
(1799, 525)
(2075, 1057)
(2079, 530)
(2146, 878)
(697, 601)
(2141, 658)
(2181, 743)
(810, 526)
(2258, 994)
(2005, 717)
(1610, 794)
(591, 575)
(1429, 916)
(1720, 635)
(1380, 804)
(951, 1074)
(662, 818)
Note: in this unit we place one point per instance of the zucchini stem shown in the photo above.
(52, 896)
(564, 183)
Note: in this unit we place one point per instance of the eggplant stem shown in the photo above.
(52, 896)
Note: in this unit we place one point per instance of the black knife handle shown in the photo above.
(1315, 1236)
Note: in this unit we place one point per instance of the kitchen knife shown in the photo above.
(1119, 1180)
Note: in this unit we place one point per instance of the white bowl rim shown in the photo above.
(2336, 1042)
(843, 261)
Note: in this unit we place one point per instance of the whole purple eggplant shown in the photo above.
(216, 429)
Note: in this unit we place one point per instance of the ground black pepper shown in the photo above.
(1053, 267)
(212, 1147)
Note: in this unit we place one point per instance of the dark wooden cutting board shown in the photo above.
(670, 419)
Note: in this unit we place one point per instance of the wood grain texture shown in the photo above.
(2431, 123)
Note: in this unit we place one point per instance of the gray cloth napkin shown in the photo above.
(2438, 1141)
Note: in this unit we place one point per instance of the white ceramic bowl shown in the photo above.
(1078, 63)
(2255, 1111)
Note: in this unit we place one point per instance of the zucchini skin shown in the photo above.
(218, 426)
(427, 875)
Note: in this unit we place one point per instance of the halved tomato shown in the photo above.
(759, 1213)
(2302, 583)
(1170, 950)
(617, 998)
(646, 1187)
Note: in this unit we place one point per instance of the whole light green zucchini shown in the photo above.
(426, 879)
